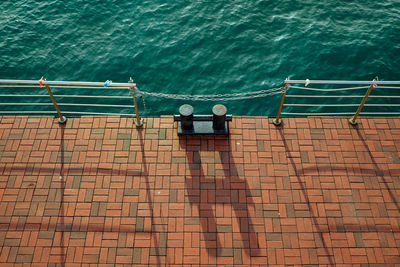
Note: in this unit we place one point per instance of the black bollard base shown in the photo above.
(203, 125)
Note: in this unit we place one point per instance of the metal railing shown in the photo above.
(64, 94)
(302, 100)
(70, 99)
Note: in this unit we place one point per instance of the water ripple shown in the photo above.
(200, 47)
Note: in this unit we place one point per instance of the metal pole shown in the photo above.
(138, 120)
(353, 120)
(277, 121)
(61, 118)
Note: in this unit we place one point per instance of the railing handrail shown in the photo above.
(72, 83)
(287, 84)
(339, 82)
(131, 86)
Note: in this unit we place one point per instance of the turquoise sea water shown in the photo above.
(200, 47)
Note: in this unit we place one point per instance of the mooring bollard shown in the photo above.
(219, 117)
(215, 124)
(186, 113)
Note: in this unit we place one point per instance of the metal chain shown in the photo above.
(135, 92)
(143, 101)
(217, 97)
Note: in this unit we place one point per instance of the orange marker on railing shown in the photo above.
(41, 82)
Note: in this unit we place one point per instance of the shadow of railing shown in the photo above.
(67, 169)
(379, 172)
(328, 253)
(374, 169)
(62, 204)
(63, 170)
(144, 173)
(204, 191)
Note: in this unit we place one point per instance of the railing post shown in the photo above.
(277, 121)
(61, 118)
(138, 120)
(353, 120)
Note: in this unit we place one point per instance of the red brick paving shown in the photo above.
(315, 191)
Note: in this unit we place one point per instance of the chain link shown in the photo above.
(143, 101)
(135, 92)
(217, 97)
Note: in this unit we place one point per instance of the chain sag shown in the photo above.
(217, 97)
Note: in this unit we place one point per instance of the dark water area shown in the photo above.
(200, 47)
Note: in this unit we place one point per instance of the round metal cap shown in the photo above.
(62, 120)
(219, 110)
(186, 110)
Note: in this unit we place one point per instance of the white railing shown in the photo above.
(289, 91)
(66, 85)
(291, 86)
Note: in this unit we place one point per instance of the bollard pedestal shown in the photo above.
(216, 124)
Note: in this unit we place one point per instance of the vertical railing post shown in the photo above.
(277, 121)
(61, 118)
(138, 120)
(353, 120)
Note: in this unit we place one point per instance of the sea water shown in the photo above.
(199, 47)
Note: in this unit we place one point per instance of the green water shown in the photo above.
(200, 47)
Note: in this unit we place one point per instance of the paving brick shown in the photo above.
(314, 191)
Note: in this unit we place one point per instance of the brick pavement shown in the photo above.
(98, 191)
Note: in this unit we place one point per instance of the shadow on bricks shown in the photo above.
(379, 172)
(328, 251)
(212, 190)
(157, 248)
(62, 227)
